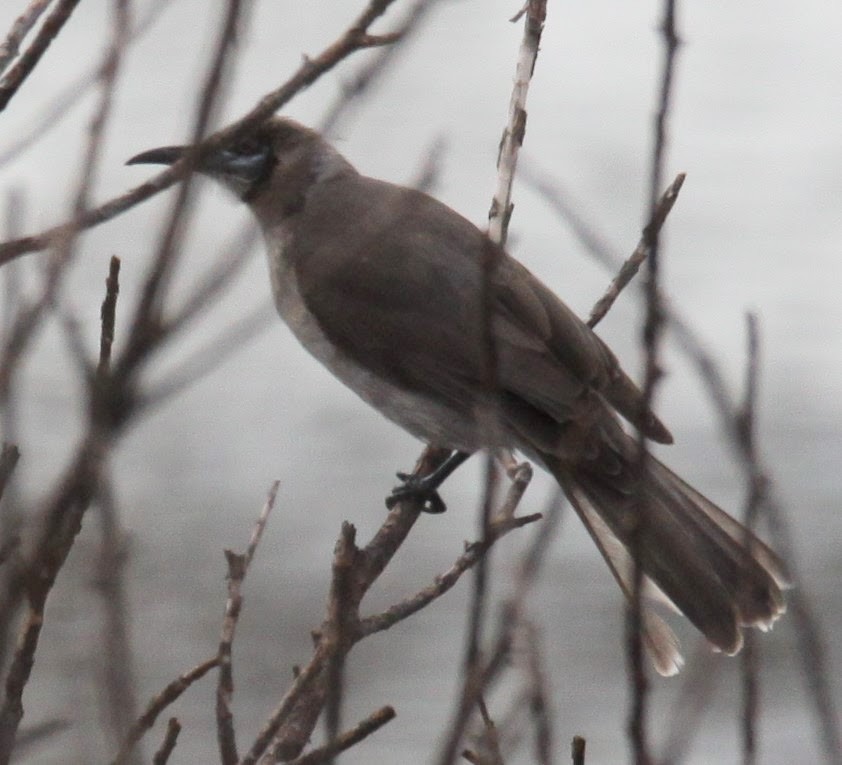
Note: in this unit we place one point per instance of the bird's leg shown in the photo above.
(426, 488)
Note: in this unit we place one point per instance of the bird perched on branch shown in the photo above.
(419, 313)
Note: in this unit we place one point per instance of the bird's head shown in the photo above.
(281, 159)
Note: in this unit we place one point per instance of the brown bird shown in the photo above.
(384, 285)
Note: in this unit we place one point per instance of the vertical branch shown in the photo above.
(340, 623)
(539, 697)
(238, 565)
(162, 756)
(108, 314)
(754, 497)
(30, 318)
(147, 319)
(577, 750)
(652, 331)
(75, 491)
(10, 520)
(515, 130)
(118, 686)
(499, 215)
(114, 655)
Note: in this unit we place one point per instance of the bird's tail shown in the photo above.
(693, 554)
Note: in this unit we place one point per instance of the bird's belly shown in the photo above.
(423, 417)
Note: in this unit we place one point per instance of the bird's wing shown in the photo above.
(544, 333)
(405, 300)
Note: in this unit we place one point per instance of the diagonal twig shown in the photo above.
(355, 38)
(632, 265)
(16, 75)
(159, 703)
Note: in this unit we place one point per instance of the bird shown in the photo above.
(404, 300)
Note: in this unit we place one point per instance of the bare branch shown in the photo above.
(114, 660)
(651, 337)
(238, 565)
(364, 78)
(311, 69)
(8, 460)
(26, 64)
(145, 326)
(159, 703)
(630, 268)
(30, 318)
(539, 697)
(444, 582)
(162, 756)
(52, 115)
(498, 224)
(812, 649)
(349, 738)
(20, 29)
(577, 750)
(513, 134)
(755, 489)
(108, 314)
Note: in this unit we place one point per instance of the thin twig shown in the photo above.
(30, 318)
(631, 266)
(20, 29)
(8, 460)
(349, 738)
(238, 565)
(498, 225)
(145, 326)
(115, 657)
(698, 682)
(510, 614)
(60, 105)
(445, 581)
(341, 628)
(651, 337)
(159, 703)
(16, 76)
(162, 756)
(488, 740)
(367, 75)
(755, 483)
(513, 133)
(108, 314)
(292, 722)
(353, 39)
(539, 697)
(577, 750)
(76, 490)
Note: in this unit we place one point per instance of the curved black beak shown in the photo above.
(165, 155)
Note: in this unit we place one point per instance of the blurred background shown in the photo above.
(755, 124)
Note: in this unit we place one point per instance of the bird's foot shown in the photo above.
(424, 490)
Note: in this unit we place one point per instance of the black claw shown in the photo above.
(424, 489)
(417, 489)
